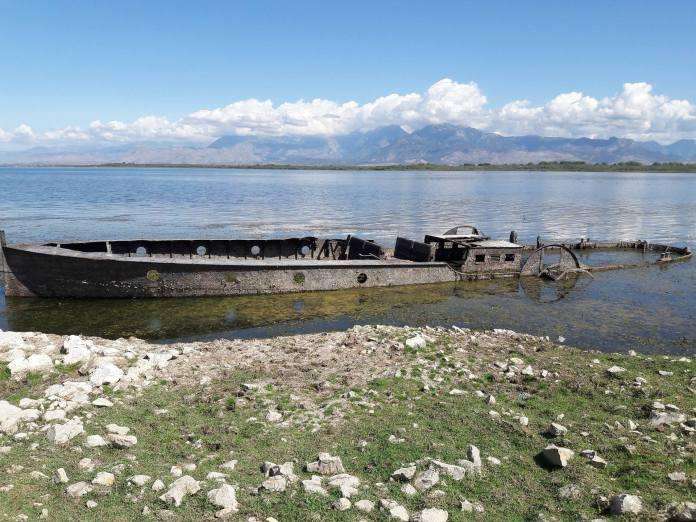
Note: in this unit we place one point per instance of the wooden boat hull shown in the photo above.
(45, 274)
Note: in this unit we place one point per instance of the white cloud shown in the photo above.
(635, 112)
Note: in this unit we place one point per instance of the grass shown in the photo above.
(208, 425)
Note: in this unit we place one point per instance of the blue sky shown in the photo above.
(70, 63)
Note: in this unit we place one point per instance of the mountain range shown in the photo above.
(440, 144)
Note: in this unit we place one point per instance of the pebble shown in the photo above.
(557, 456)
(626, 504)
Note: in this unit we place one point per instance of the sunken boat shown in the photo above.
(220, 267)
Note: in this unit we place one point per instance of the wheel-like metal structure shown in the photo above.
(554, 262)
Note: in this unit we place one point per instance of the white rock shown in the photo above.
(39, 363)
(105, 373)
(102, 402)
(326, 465)
(104, 478)
(457, 472)
(18, 367)
(62, 433)
(225, 497)
(230, 465)
(556, 430)
(431, 515)
(277, 483)
(417, 342)
(342, 504)
(396, 511)
(409, 490)
(11, 341)
(615, 370)
(274, 416)
(54, 415)
(91, 504)
(557, 456)
(524, 421)
(60, 476)
(404, 474)
(95, 441)
(216, 475)
(157, 485)
(139, 480)
(122, 441)
(314, 486)
(86, 464)
(474, 455)
(181, 487)
(493, 461)
(426, 479)
(345, 483)
(78, 489)
(76, 351)
(119, 430)
(10, 417)
(625, 504)
(366, 506)
(659, 418)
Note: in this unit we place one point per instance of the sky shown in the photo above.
(94, 72)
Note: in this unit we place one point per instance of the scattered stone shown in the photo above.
(62, 433)
(326, 465)
(404, 474)
(626, 504)
(276, 483)
(682, 511)
(524, 421)
(493, 461)
(556, 430)
(86, 464)
(181, 487)
(79, 489)
(76, 351)
(314, 486)
(396, 511)
(119, 430)
(677, 476)
(416, 343)
(230, 465)
(426, 479)
(216, 475)
(615, 371)
(122, 441)
(431, 515)
(104, 478)
(139, 480)
(39, 363)
(557, 456)
(102, 402)
(224, 497)
(474, 455)
(659, 418)
(105, 373)
(345, 483)
(91, 504)
(60, 476)
(157, 485)
(342, 504)
(274, 416)
(366, 506)
(95, 441)
(409, 490)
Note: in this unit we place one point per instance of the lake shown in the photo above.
(649, 309)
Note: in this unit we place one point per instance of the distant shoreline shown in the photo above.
(544, 166)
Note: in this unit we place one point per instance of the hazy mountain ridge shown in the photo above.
(440, 144)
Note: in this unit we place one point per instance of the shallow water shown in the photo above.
(647, 309)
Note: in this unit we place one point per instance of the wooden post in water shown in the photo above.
(3, 242)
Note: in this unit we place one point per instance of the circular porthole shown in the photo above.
(141, 251)
(153, 275)
(362, 278)
(305, 250)
(201, 250)
(255, 250)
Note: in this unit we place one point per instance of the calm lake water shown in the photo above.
(650, 309)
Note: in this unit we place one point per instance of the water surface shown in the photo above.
(650, 310)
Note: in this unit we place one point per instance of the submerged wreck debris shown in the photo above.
(219, 267)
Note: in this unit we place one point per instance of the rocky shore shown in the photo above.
(375, 423)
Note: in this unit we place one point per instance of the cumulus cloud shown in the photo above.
(634, 112)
